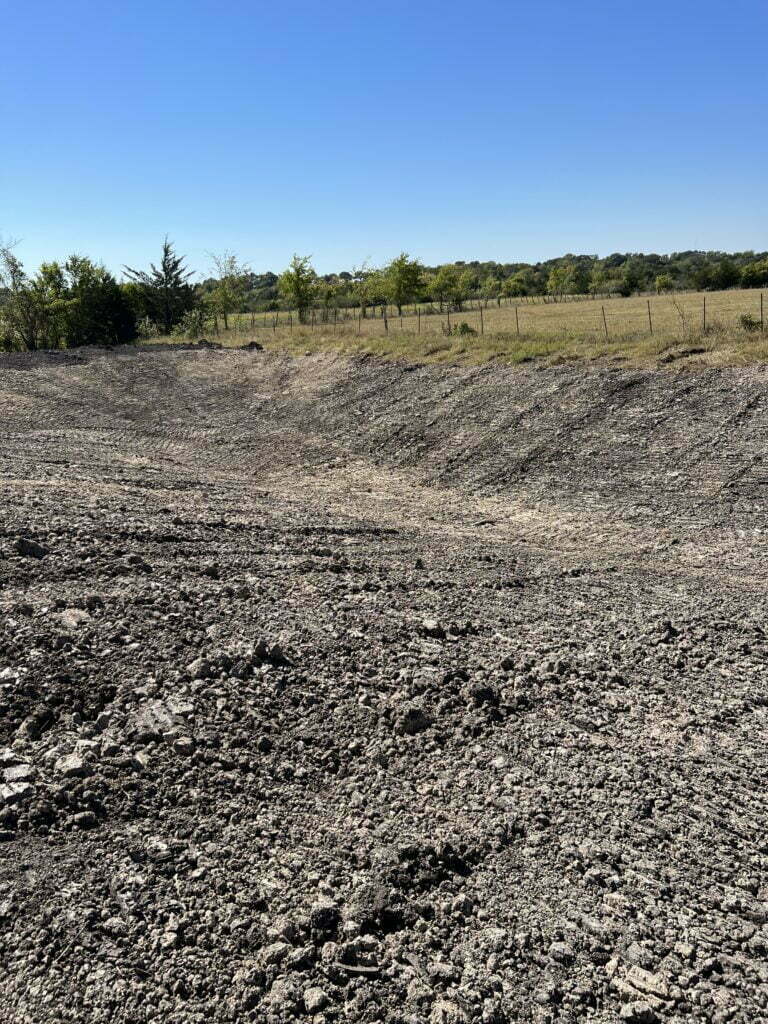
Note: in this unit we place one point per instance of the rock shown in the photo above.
(153, 720)
(645, 981)
(275, 953)
(483, 694)
(432, 628)
(324, 916)
(494, 939)
(15, 792)
(115, 926)
(8, 757)
(71, 618)
(315, 999)
(85, 819)
(562, 953)
(638, 1012)
(283, 996)
(158, 850)
(413, 719)
(184, 745)
(19, 773)
(447, 1011)
(200, 669)
(72, 766)
(29, 548)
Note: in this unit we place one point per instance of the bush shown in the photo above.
(194, 323)
(146, 328)
(462, 330)
(749, 323)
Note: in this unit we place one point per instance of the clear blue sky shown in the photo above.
(483, 130)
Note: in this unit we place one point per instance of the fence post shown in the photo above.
(517, 321)
(386, 321)
(704, 315)
(761, 311)
(482, 326)
(605, 323)
(290, 321)
(650, 322)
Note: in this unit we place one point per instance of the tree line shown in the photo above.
(79, 302)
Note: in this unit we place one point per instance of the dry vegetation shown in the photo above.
(535, 331)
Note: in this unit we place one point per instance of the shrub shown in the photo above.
(749, 322)
(462, 330)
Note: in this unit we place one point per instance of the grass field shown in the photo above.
(611, 330)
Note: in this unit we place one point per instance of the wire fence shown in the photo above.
(599, 315)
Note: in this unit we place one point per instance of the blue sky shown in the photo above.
(350, 131)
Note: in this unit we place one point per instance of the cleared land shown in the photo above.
(549, 332)
(350, 690)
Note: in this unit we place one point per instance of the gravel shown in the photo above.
(362, 692)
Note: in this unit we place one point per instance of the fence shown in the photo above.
(602, 316)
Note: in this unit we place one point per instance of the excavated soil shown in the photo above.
(354, 691)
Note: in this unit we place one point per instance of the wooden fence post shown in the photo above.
(650, 322)
(761, 312)
(704, 315)
(482, 326)
(605, 323)
(517, 320)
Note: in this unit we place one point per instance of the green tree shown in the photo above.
(88, 307)
(663, 283)
(755, 274)
(298, 285)
(23, 311)
(62, 306)
(523, 282)
(444, 285)
(465, 285)
(725, 274)
(491, 289)
(557, 282)
(231, 278)
(404, 277)
(633, 278)
(361, 284)
(579, 277)
(164, 292)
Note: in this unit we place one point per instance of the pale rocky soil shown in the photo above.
(350, 691)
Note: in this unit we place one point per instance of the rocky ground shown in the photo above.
(359, 692)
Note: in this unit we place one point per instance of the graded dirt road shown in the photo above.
(353, 691)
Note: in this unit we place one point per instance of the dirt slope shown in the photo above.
(350, 691)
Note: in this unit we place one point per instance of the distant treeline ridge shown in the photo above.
(79, 302)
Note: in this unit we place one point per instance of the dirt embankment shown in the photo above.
(353, 691)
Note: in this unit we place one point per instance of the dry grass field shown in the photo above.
(679, 328)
